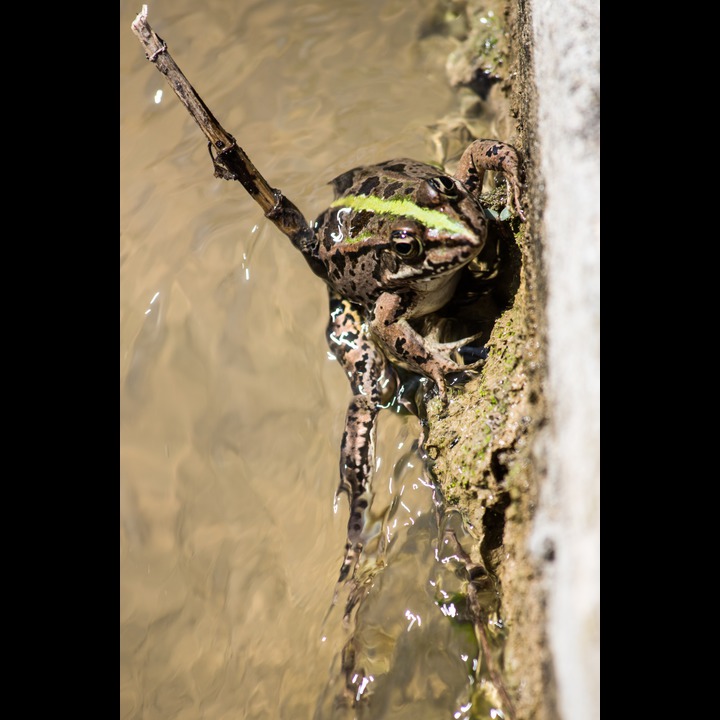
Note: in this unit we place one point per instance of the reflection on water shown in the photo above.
(231, 410)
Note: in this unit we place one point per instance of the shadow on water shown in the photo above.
(232, 413)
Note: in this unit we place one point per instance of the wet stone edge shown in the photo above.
(482, 449)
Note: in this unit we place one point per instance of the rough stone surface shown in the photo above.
(567, 55)
(518, 451)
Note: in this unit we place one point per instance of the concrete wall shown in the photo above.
(566, 58)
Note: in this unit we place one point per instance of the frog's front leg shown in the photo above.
(482, 155)
(373, 382)
(420, 354)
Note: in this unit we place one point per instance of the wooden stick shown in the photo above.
(230, 161)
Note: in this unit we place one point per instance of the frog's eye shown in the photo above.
(444, 185)
(407, 244)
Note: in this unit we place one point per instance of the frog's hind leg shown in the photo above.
(373, 383)
(357, 462)
(482, 155)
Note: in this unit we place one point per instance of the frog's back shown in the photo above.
(387, 179)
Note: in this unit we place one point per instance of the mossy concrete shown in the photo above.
(490, 449)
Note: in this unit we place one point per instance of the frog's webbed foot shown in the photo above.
(440, 357)
(442, 367)
(423, 354)
(514, 188)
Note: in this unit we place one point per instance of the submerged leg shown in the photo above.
(373, 383)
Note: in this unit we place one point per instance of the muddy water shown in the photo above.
(232, 411)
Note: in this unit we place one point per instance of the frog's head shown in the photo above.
(430, 228)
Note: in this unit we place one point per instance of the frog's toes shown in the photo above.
(473, 365)
(445, 366)
(438, 378)
(444, 347)
(450, 368)
(515, 191)
(463, 373)
(465, 354)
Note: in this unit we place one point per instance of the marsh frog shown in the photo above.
(391, 248)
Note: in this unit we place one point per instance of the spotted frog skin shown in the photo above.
(390, 248)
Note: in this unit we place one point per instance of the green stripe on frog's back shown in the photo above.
(400, 207)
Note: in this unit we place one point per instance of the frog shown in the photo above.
(391, 248)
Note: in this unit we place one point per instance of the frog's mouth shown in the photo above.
(402, 207)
